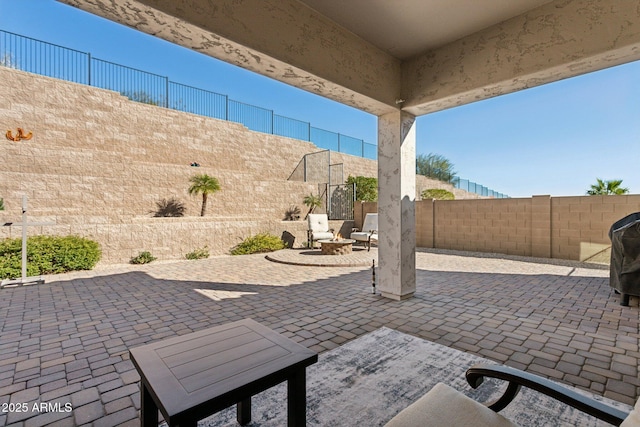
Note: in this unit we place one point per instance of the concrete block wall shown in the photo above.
(487, 225)
(425, 230)
(98, 163)
(572, 228)
(581, 224)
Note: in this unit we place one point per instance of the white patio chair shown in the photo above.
(318, 228)
(369, 231)
(444, 406)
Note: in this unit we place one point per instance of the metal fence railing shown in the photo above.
(457, 182)
(39, 57)
(137, 85)
(472, 187)
(47, 59)
(202, 102)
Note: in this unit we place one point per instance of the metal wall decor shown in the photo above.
(20, 135)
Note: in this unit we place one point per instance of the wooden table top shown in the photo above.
(190, 370)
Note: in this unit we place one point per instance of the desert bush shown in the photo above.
(259, 243)
(143, 258)
(48, 255)
(292, 214)
(437, 193)
(1, 204)
(198, 253)
(169, 208)
(435, 166)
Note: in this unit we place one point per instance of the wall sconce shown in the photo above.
(19, 135)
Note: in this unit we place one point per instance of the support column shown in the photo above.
(396, 205)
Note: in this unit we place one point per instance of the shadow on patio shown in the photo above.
(68, 340)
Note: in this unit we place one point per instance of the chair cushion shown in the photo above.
(633, 419)
(318, 222)
(443, 406)
(321, 235)
(360, 236)
(370, 222)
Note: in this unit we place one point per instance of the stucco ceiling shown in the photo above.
(406, 28)
(383, 55)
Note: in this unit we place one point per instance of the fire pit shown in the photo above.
(336, 247)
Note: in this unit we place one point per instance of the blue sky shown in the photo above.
(554, 139)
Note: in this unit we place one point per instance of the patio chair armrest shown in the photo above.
(517, 378)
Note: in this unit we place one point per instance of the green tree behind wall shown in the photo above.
(435, 166)
(366, 188)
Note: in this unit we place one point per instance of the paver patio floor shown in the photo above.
(67, 341)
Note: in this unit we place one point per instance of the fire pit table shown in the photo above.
(336, 247)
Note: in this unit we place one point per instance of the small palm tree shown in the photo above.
(607, 188)
(313, 202)
(205, 185)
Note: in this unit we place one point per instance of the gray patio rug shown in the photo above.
(368, 380)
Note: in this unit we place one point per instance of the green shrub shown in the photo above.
(143, 258)
(1, 204)
(366, 188)
(259, 243)
(198, 253)
(438, 194)
(48, 255)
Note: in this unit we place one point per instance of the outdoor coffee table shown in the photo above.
(193, 376)
(336, 247)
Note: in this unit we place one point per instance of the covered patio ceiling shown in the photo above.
(373, 54)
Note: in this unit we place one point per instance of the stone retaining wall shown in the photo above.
(98, 163)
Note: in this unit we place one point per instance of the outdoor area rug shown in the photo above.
(370, 379)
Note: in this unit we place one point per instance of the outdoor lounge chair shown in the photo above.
(443, 406)
(369, 231)
(318, 228)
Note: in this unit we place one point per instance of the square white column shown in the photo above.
(396, 205)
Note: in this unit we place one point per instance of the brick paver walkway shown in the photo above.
(67, 341)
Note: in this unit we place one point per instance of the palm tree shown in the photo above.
(313, 202)
(607, 188)
(205, 185)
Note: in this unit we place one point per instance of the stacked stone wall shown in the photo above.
(97, 163)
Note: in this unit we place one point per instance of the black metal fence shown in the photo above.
(339, 201)
(39, 57)
(47, 59)
(472, 187)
